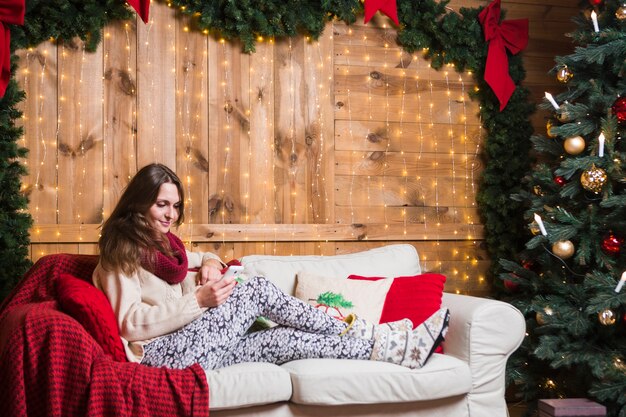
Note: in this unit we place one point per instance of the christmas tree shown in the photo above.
(14, 219)
(568, 280)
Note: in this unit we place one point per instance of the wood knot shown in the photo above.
(209, 235)
(362, 230)
(188, 66)
(228, 108)
(214, 204)
(126, 84)
(375, 75)
(229, 204)
(376, 155)
(293, 158)
(340, 104)
(374, 137)
(308, 140)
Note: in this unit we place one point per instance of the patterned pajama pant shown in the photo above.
(218, 338)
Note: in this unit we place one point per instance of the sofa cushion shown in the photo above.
(387, 261)
(91, 308)
(248, 384)
(336, 382)
(340, 297)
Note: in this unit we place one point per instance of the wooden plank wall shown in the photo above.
(303, 147)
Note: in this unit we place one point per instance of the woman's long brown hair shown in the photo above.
(126, 234)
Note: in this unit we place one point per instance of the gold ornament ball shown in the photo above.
(549, 127)
(541, 320)
(593, 179)
(620, 13)
(563, 74)
(564, 249)
(534, 229)
(562, 115)
(607, 317)
(574, 145)
(541, 317)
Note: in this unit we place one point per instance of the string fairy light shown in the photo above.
(228, 109)
(405, 175)
(268, 187)
(105, 147)
(467, 258)
(190, 120)
(83, 150)
(387, 129)
(293, 169)
(452, 138)
(420, 138)
(369, 78)
(435, 184)
(346, 70)
(40, 100)
(319, 180)
(153, 132)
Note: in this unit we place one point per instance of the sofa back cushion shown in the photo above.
(387, 261)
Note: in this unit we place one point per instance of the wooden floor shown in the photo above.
(517, 409)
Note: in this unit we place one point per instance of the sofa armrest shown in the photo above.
(484, 333)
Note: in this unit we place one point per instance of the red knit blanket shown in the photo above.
(50, 366)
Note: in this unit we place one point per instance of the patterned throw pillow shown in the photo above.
(91, 308)
(341, 297)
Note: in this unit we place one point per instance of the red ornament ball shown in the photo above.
(510, 285)
(619, 109)
(559, 180)
(530, 265)
(595, 2)
(612, 245)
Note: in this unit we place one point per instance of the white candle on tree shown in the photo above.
(552, 101)
(620, 284)
(594, 19)
(601, 145)
(539, 222)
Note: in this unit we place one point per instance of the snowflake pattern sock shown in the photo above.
(363, 329)
(412, 348)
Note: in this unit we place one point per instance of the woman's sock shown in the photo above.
(412, 348)
(363, 329)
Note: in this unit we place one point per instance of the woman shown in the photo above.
(169, 317)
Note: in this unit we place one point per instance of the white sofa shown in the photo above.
(467, 380)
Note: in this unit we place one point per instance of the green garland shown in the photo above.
(450, 37)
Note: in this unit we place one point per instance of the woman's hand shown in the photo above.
(214, 290)
(211, 270)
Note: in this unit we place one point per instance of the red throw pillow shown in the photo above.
(91, 308)
(416, 297)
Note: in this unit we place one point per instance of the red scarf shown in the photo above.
(172, 270)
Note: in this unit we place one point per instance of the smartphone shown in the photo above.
(232, 271)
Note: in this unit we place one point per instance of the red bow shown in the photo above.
(11, 13)
(142, 7)
(511, 35)
(387, 7)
